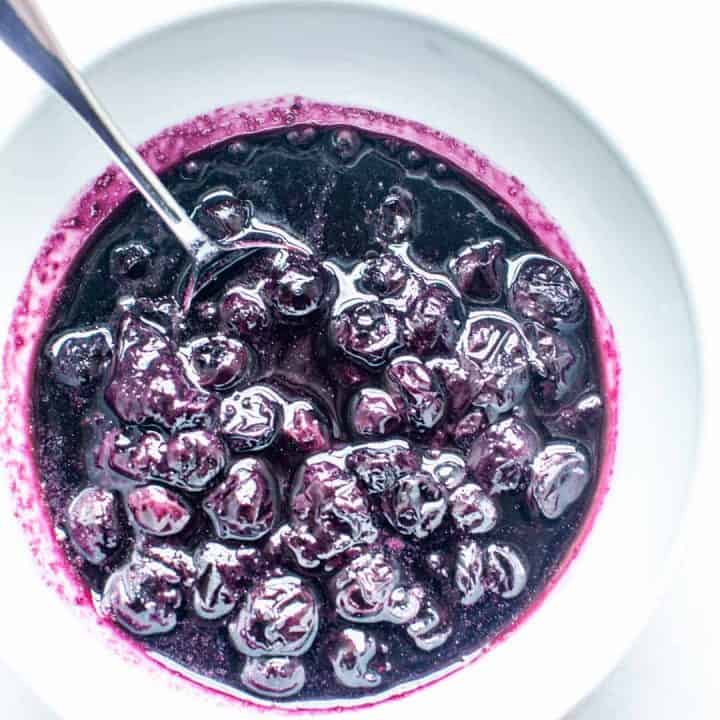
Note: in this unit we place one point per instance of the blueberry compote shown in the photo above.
(337, 471)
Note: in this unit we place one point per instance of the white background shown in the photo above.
(647, 73)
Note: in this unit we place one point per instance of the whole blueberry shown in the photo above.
(367, 332)
(501, 456)
(278, 617)
(479, 270)
(494, 342)
(417, 391)
(434, 321)
(250, 419)
(244, 312)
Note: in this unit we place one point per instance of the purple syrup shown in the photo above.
(337, 475)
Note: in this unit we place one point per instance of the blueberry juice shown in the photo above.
(340, 471)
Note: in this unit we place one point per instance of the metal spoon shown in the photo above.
(24, 29)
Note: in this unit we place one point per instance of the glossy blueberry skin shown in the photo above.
(558, 476)
(417, 391)
(143, 597)
(497, 346)
(217, 362)
(223, 574)
(244, 505)
(543, 290)
(375, 413)
(367, 332)
(500, 458)
(329, 513)
(416, 505)
(279, 617)
(273, 677)
(250, 419)
(244, 312)
(93, 524)
(479, 270)
(149, 384)
(384, 275)
(157, 510)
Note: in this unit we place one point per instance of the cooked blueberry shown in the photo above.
(143, 596)
(448, 468)
(367, 332)
(148, 383)
(469, 572)
(431, 627)
(500, 458)
(305, 430)
(369, 590)
(274, 677)
(417, 392)
(130, 261)
(379, 465)
(157, 510)
(542, 289)
(558, 475)
(395, 215)
(384, 275)
(139, 458)
(222, 575)
(438, 565)
(244, 312)
(302, 137)
(346, 143)
(221, 215)
(194, 458)
(92, 524)
(238, 150)
(560, 362)
(389, 413)
(351, 653)
(329, 513)
(243, 506)
(416, 504)
(278, 617)
(80, 357)
(460, 379)
(217, 362)
(580, 419)
(505, 572)
(495, 344)
(173, 557)
(250, 419)
(434, 321)
(479, 270)
(296, 289)
(472, 510)
(469, 428)
(373, 413)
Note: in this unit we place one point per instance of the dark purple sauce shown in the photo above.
(399, 439)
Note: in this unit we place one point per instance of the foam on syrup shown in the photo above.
(76, 228)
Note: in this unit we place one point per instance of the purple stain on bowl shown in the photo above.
(498, 321)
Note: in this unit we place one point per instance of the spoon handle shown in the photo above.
(24, 29)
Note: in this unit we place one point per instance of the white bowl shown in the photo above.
(453, 82)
